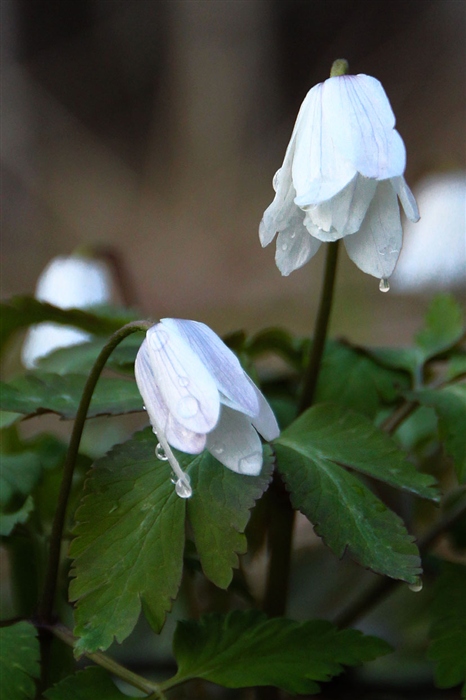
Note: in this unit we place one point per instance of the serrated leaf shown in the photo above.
(244, 649)
(93, 683)
(41, 392)
(350, 378)
(449, 404)
(19, 661)
(22, 311)
(129, 544)
(448, 632)
(79, 359)
(443, 327)
(219, 512)
(348, 516)
(328, 432)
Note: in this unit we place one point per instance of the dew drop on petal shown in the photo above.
(188, 407)
(416, 587)
(160, 453)
(183, 381)
(217, 449)
(284, 246)
(276, 180)
(144, 408)
(384, 285)
(293, 234)
(158, 338)
(251, 463)
(183, 487)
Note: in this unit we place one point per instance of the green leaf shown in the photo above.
(278, 342)
(345, 513)
(40, 392)
(129, 544)
(443, 328)
(19, 474)
(244, 649)
(219, 512)
(456, 366)
(352, 379)
(91, 684)
(405, 359)
(450, 406)
(8, 520)
(328, 432)
(448, 632)
(22, 311)
(79, 359)
(19, 661)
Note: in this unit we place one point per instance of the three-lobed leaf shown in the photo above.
(131, 534)
(245, 648)
(19, 661)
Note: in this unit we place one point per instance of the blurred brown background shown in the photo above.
(155, 127)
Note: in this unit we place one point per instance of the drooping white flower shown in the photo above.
(198, 396)
(341, 178)
(434, 253)
(67, 282)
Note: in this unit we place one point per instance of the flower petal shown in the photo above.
(318, 170)
(344, 213)
(407, 199)
(361, 122)
(221, 363)
(376, 246)
(278, 214)
(295, 245)
(265, 421)
(185, 384)
(235, 443)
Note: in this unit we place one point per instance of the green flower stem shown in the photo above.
(282, 515)
(320, 333)
(46, 604)
(383, 587)
(116, 669)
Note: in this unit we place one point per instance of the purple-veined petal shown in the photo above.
(360, 119)
(220, 362)
(376, 246)
(185, 384)
(407, 199)
(183, 439)
(235, 443)
(318, 170)
(265, 422)
(344, 213)
(295, 245)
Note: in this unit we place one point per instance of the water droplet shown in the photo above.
(183, 487)
(284, 246)
(250, 464)
(183, 381)
(144, 408)
(157, 338)
(218, 449)
(113, 508)
(384, 285)
(154, 431)
(160, 453)
(276, 180)
(293, 235)
(188, 407)
(416, 587)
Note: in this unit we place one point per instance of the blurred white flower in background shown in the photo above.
(68, 282)
(198, 396)
(434, 252)
(341, 178)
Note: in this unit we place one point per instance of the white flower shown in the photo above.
(434, 253)
(342, 174)
(198, 396)
(67, 282)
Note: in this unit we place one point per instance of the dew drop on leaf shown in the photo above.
(416, 587)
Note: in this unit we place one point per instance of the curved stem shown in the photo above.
(320, 333)
(101, 659)
(45, 609)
